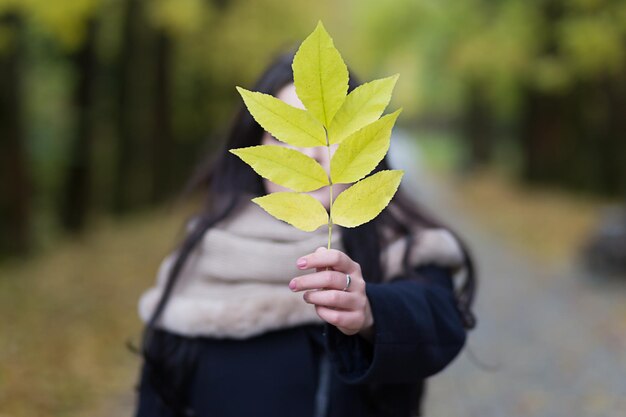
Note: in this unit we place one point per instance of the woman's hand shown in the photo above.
(348, 310)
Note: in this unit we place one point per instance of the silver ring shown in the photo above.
(348, 281)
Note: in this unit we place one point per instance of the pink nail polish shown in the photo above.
(292, 285)
(301, 262)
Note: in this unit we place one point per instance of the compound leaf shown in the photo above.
(360, 152)
(300, 210)
(362, 106)
(331, 117)
(284, 166)
(365, 199)
(320, 75)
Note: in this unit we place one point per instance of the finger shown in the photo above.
(301, 263)
(344, 319)
(323, 279)
(332, 258)
(333, 298)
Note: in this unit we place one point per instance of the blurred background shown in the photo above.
(513, 131)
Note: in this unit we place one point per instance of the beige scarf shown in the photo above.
(235, 282)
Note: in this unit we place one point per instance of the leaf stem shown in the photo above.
(330, 206)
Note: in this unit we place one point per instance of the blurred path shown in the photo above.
(553, 340)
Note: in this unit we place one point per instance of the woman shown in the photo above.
(237, 326)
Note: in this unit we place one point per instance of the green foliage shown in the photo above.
(179, 17)
(64, 20)
(321, 82)
(505, 46)
(593, 44)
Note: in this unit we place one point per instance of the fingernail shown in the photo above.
(301, 262)
(292, 285)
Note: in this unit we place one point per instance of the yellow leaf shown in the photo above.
(365, 199)
(360, 152)
(284, 166)
(362, 106)
(320, 75)
(300, 210)
(286, 123)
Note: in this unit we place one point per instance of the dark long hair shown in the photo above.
(227, 181)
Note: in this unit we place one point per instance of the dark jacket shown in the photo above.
(316, 370)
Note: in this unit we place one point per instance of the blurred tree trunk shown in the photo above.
(595, 141)
(615, 91)
(15, 181)
(129, 185)
(163, 149)
(478, 127)
(542, 130)
(577, 139)
(124, 157)
(77, 185)
(544, 123)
